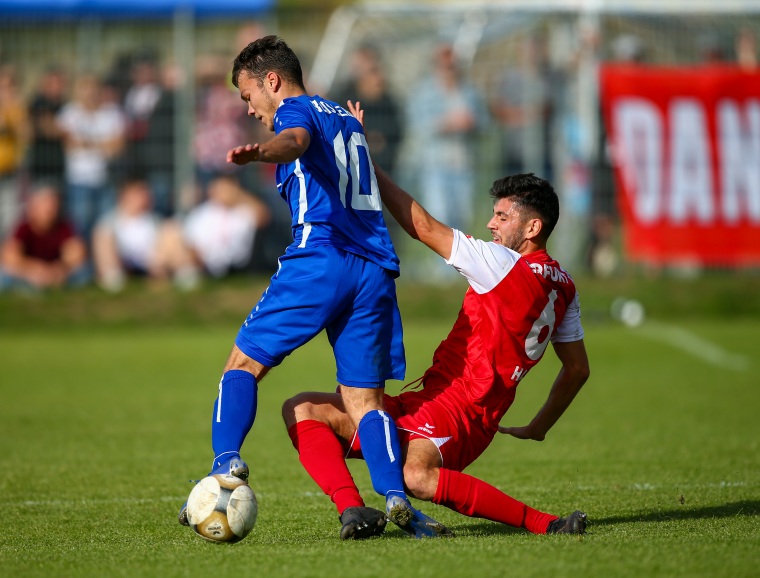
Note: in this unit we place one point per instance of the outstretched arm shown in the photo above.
(285, 147)
(572, 376)
(412, 216)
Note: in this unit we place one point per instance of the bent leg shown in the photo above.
(379, 438)
(422, 463)
(317, 422)
(108, 269)
(427, 480)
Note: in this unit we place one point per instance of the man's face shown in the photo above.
(508, 227)
(42, 210)
(261, 103)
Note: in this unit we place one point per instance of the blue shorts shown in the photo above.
(323, 287)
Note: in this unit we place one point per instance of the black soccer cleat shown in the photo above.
(361, 522)
(575, 523)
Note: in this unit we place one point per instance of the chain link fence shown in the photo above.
(530, 75)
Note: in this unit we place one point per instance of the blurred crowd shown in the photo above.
(87, 181)
(88, 190)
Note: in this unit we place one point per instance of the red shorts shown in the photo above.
(437, 414)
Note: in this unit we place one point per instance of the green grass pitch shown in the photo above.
(102, 426)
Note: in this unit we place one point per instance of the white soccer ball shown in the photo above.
(222, 508)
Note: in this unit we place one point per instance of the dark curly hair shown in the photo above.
(266, 54)
(534, 197)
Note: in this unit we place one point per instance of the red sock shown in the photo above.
(322, 456)
(475, 498)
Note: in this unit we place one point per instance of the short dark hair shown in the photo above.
(534, 197)
(266, 54)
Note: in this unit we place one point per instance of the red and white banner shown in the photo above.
(686, 150)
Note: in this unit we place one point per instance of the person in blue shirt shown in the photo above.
(338, 275)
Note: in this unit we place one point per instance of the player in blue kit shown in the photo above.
(337, 275)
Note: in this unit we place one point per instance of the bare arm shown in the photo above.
(12, 255)
(73, 253)
(35, 271)
(285, 147)
(572, 376)
(413, 217)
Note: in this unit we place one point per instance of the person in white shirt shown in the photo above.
(133, 240)
(220, 232)
(93, 136)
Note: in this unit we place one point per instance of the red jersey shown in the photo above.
(514, 306)
(47, 246)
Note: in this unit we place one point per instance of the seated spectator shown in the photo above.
(43, 251)
(220, 232)
(133, 240)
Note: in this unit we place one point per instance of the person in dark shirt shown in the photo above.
(383, 122)
(46, 156)
(43, 251)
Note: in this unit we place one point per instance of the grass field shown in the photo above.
(102, 424)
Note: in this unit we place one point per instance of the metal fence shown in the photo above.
(531, 73)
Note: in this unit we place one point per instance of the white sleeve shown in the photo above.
(483, 264)
(66, 119)
(570, 329)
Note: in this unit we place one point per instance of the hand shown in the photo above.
(458, 121)
(356, 110)
(522, 433)
(244, 154)
(43, 275)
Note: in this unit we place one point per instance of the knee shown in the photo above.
(290, 408)
(299, 408)
(421, 480)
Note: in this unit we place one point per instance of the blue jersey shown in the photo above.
(331, 189)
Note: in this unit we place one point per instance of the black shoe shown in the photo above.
(575, 523)
(362, 522)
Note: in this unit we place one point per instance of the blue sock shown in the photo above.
(382, 452)
(234, 413)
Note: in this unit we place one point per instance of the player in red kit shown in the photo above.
(519, 300)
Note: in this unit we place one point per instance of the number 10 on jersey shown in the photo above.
(360, 164)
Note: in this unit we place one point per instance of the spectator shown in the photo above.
(524, 110)
(14, 134)
(46, 156)
(132, 240)
(711, 49)
(746, 50)
(383, 123)
(43, 251)
(445, 116)
(628, 48)
(140, 101)
(94, 136)
(221, 231)
(602, 258)
(157, 148)
(218, 124)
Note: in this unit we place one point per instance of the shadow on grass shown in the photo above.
(748, 508)
(484, 528)
(741, 508)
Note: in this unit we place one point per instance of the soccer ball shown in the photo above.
(222, 508)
